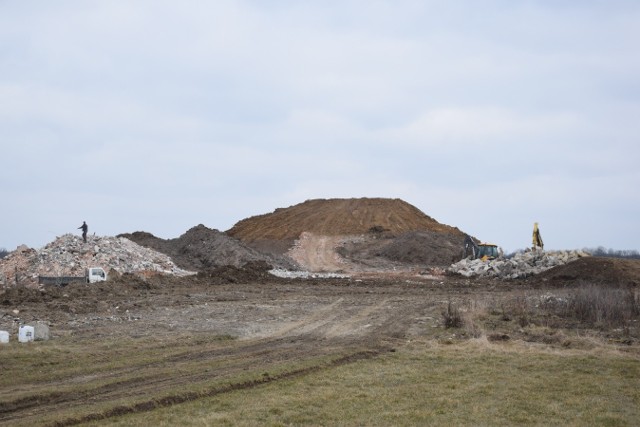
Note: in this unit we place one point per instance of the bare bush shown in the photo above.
(603, 305)
(3, 252)
(521, 310)
(474, 318)
(452, 316)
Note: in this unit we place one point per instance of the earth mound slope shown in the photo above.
(202, 248)
(332, 217)
(392, 232)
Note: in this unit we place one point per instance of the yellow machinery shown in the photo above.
(483, 251)
(487, 251)
(537, 238)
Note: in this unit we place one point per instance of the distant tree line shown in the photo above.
(613, 253)
(599, 251)
(3, 253)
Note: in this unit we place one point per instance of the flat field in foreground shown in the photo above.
(425, 384)
(320, 352)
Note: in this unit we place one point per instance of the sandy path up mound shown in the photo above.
(317, 253)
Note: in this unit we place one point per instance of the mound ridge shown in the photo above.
(333, 217)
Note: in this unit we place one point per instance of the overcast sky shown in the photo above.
(160, 115)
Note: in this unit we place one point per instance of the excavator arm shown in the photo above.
(537, 238)
(470, 247)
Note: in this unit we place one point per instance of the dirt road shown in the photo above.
(280, 328)
(317, 253)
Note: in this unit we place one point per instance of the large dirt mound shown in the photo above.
(332, 217)
(596, 270)
(391, 231)
(202, 248)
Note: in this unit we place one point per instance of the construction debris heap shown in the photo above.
(522, 264)
(68, 255)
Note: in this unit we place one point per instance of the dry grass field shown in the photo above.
(324, 352)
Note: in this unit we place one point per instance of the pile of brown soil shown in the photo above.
(394, 232)
(596, 270)
(251, 272)
(333, 217)
(202, 248)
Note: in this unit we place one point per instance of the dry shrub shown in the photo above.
(474, 317)
(452, 316)
(603, 305)
(521, 310)
(469, 317)
(473, 328)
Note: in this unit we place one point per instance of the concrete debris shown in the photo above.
(288, 274)
(41, 331)
(521, 265)
(68, 255)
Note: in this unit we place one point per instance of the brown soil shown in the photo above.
(596, 270)
(334, 217)
(353, 235)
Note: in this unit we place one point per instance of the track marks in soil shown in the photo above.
(175, 399)
(313, 322)
(173, 379)
(357, 323)
(317, 253)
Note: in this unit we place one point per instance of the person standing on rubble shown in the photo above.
(84, 228)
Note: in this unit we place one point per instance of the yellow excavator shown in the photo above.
(537, 238)
(483, 251)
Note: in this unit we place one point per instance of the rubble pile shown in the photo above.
(289, 274)
(68, 255)
(522, 264)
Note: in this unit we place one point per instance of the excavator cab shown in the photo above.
(483, 251)
(487, 251)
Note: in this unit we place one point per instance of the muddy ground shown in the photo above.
(250, 303)
(273, 320)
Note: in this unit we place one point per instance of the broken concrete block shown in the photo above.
(521, 265)
(41, 332)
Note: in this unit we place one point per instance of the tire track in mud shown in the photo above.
(354, 323)
(313, 322)
(176, 399)
(330, 325)
(322, 333)
(266, 354)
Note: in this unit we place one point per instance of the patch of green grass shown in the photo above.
(463, 384)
